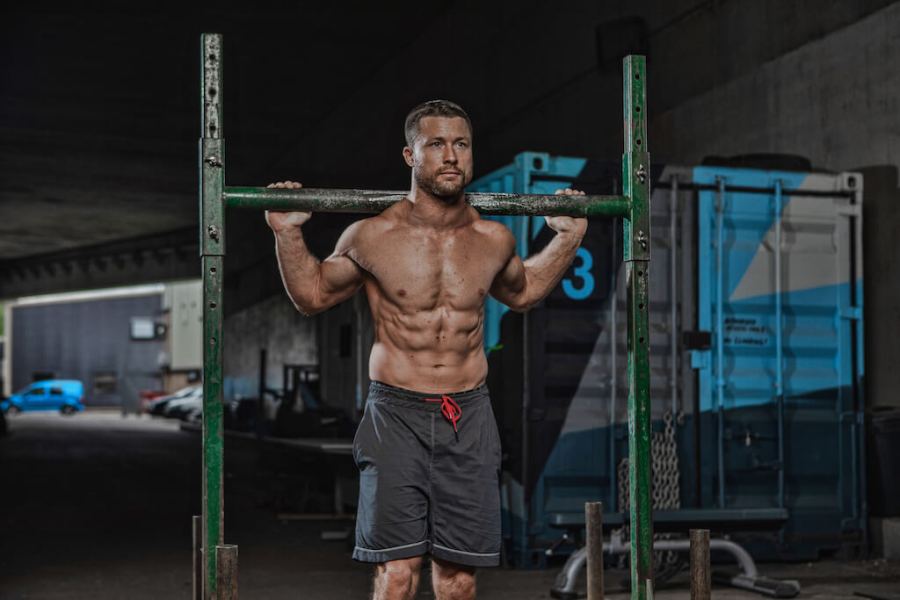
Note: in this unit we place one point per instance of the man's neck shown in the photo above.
(439, 213)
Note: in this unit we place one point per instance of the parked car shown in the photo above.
(146, 397)
(158, 406)
(177, 409)
(64, 395)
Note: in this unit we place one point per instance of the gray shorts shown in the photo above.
(426, 486)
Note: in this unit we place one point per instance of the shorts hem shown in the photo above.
(379, 556)
(470, 559)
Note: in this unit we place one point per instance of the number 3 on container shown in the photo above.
(585, 280)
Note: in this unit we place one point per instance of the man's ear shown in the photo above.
(408, 156)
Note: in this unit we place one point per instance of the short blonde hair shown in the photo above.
(432, 108)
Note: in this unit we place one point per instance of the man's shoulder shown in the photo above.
(368, 227)
(495, 230)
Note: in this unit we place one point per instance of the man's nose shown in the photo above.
(450, 154)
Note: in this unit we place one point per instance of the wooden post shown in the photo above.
(700, 577)
(197, 587)
(593, 517)
(226, 572)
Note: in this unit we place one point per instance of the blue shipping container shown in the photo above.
(758, 352)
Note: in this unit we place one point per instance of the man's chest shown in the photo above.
(410, 267)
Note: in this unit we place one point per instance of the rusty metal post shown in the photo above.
(636, 237)
(593, 517)
(212, 252)
(197, 585)
(226, 572)
(700, 577)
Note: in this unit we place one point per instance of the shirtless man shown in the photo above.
(427, 447)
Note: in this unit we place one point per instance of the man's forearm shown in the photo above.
(544, 270)
(299, 268)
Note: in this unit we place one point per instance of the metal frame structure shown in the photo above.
(632, 206)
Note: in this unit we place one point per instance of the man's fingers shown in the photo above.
(568, 192)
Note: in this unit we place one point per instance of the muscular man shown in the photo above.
(427, 447)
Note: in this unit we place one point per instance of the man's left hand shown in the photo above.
(575, 226)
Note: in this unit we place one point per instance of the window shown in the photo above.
(104, 383)
(143, 328)
(55, 391)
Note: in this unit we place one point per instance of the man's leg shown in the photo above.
(452, 581)
(397, 579)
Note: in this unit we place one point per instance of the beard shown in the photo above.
(448, 191)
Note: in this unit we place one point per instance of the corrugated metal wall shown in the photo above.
(88, 340)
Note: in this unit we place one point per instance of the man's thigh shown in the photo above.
(465, 492)
(392, 516)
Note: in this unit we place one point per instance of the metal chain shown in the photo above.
(665, 488)
(666, 491)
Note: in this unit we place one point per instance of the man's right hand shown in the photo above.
(282, 221)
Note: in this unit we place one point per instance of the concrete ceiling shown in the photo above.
(99, 110)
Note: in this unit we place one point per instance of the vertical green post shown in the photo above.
(636, 236)
(212, 252)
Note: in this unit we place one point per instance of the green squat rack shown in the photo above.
(215, 572)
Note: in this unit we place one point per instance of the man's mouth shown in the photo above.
(450, 173)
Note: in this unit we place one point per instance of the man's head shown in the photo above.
(439, 148)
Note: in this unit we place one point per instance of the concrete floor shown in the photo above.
(96, 506)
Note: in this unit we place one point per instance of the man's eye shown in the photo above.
(435, 144)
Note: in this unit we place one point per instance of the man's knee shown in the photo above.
(453, 581)
(397, 579)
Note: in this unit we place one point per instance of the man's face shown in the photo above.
(441, 156)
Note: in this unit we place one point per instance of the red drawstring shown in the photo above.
(449, 408)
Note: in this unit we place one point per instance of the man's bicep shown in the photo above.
(509, 284)
(340, 275)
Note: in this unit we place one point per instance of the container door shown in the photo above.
(778, 291)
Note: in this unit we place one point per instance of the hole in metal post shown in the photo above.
(212, 91)
(637, 75)
(212, 270)
(640, 340)
(638, 141)
(641, 306)
(212, 57)
(637, 109)
(212, 341)
(212, 304)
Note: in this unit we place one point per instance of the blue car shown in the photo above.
(64, 395)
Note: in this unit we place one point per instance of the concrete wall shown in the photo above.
(273, 324)
(833, 100)
(346, 335)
